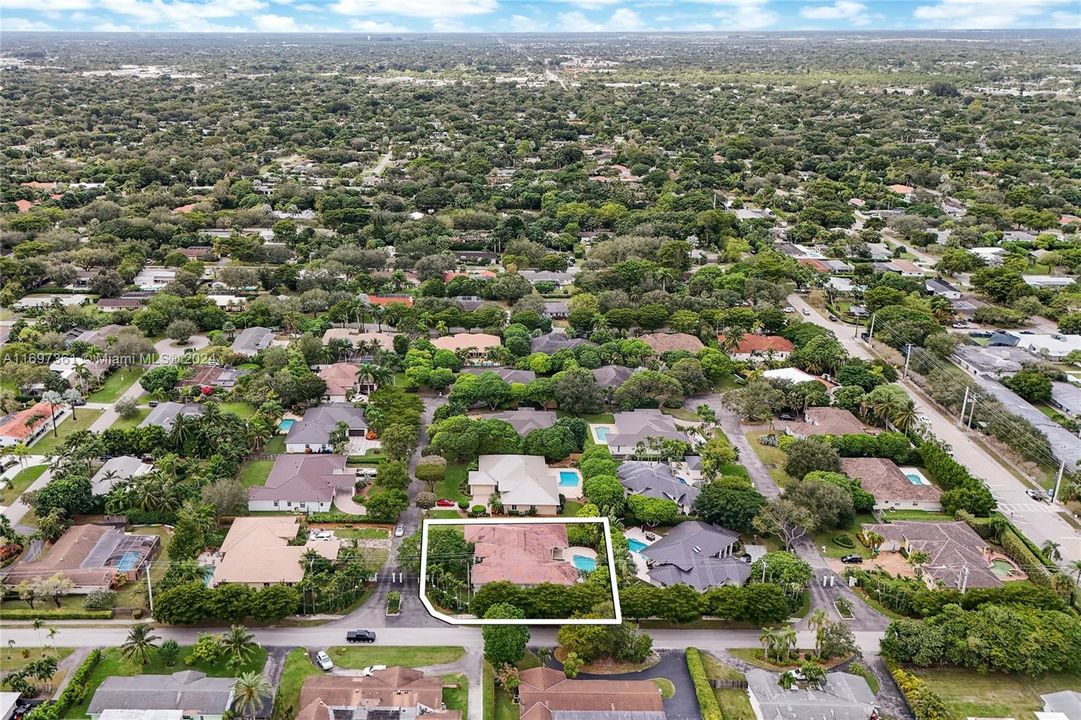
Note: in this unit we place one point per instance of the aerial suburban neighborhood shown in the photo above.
(630, 375)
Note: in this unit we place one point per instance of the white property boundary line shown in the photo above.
(456, 620)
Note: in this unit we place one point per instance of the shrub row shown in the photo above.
(708, 706)
(759, 604)
(35, 614)
(923, 701)
(75, 692)
(333, 517)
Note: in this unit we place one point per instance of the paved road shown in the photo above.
(1040, 521)
(18, 509)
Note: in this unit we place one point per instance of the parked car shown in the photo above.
(355, 636)
(807, 312)
(323, 661)
(789, 309)
(852, 559)
(1036, 495)
(368, 671)
(833, 318)
(399, 531)
(444, 503)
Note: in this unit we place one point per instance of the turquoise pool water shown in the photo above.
(284, 425)
(916, 478)
(583, 563)
(601, 433)
(208, 574)
(568, 478)
(1001, 568)
(636, 545)
(128, 561)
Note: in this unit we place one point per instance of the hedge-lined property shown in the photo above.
(924, 702)
(75, 692)
(62, 614)
(707, 701)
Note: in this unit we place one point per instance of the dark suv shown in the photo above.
(355, 636)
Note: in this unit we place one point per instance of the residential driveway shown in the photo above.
(344, 502)
(18, 509)
(673, 666)
(730, 423)
(169, 351)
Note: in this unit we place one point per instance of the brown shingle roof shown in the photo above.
(667, 342)
(828, 421)
(883, 479)
(751, 343)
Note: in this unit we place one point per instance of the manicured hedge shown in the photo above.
(334, 517)
(489, 692)
(708, 706)
(75, 692)
(924, 702)
(35, 614)
(1015, 545)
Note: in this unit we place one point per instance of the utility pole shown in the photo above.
(871, 332)
(1058, 481)
(908, 359)
(972, 412)
(150, 588)
(964, 404)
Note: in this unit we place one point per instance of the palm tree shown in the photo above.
(786, 640)
(768, 638)
(54, 400)
(183, 429)
(250, 690)
(1051, 551)
(20, 451)
(1076, 566)
(239, 645)
(917, 559)
(141, 640)
(904, 417)
(37, 625)
(819, 620)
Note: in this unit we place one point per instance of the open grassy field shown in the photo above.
(970, 694)
(133, 421)
(449, 486)
(773, 458)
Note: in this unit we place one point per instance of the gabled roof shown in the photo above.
(843, 697)
(394, 687)
(656, 480)
(340, 377)
(166, 413)
(526, 420)
(689, 554)
(640, 425)
(251, 340)
(187, 690)
(950, 546)
(547, 694)
(667, 342)
(882, 478)
(752, 343)
(120, 468)
(827, 421)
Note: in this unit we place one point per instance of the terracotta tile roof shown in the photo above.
(394, 687)
(751, 343)
(466, 341)
(14, 426)
(339, 377)
(521, 554)
(543, 691)
(827, 421)
(667, 342)
(388, 299)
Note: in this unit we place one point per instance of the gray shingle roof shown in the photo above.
(122, 468)
(656, 480)
(555, 341)
(1067, 702)
(166, 412)
(525, 420)
(252, 340)
(638, 426)
(509, 375)
(319, 422)
(843, 697)
(689, 554)
(612, 376)
(186, 690)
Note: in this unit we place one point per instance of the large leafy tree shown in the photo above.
(504, 644)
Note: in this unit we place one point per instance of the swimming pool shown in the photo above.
(601, 433)
(914, 476)
(128, 561)
(584, 563)
(568, 478)
(636, 546)
(208, 574)
(1001, 568)
(284, 425)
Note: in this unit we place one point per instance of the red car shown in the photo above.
(443, 502)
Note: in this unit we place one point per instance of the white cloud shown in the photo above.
(277, 23)
(744, 14)
(183, 15)
(1067, 20)
(525, 24)
(113, 27)
(622, 20)
(984, 14)
(23, 25)
(453, 25)
(376, 27)
(854, 12)
(44, 6)
(415, 8)
(591, 4)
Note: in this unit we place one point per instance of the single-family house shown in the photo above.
(257, 552)
(1049, 346)
(553, 342)
(306, 483)
(1061, 705)
(661, 343)
(697, 554)
(209, 376)
(1049, 281)
(197, 696)
(93, 557)
(360, 338)
(79, 373)
(165, 414)
(509, 375)
(117, 470)
(844, 696)
(253, 340)
(548, 694)
(826, 421)
(610, 377)
(942, 288)
(956, 556)
(892, 488)
(474, 345)
(394, 693)
(26, 426)
(311, 434)
(526, 420)
(991, 361)
(526, 555)
(657, 480)
(524, 482)
(638, 427)
(1066, 397)
(790, 374)
(121, 303)
(753, 347)
(560, 279)
(153, 278)
(341, 380)
(556, 309)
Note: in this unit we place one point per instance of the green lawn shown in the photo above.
(276, 446)
(419, 656)
(362, 533)
(49, 444)
(457, 698)
(666, 687)
(298, 668)
(682, 414)
(918, 515)
(133, 421)
(571, 508)
(113, 663)
(116, 384)
(833, 550)
(450, 486)
(735, 469)
(242, 409)
(443, 514)
(735, 704)
(773, 458)
(255, 472)
(599, 418)
(970, 694)
(13, 659)
(20, 482)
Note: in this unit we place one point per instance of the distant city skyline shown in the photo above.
(525, 16)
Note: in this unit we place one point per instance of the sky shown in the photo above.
(523, 16)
